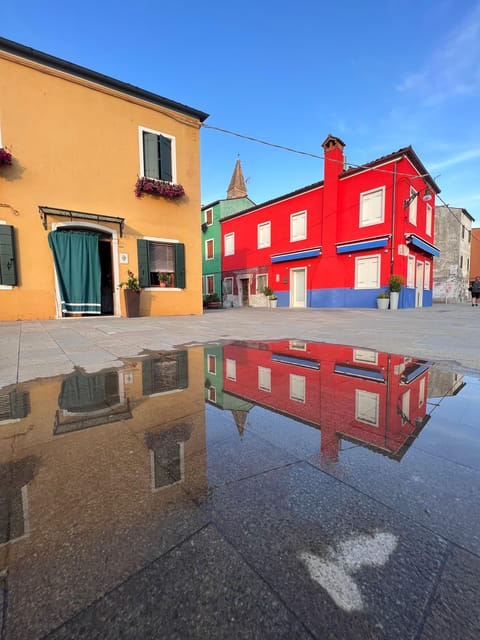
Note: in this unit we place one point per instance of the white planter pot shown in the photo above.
(394, 296)
(273, 303)
(382, 303)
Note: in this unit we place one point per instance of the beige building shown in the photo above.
(453, 236)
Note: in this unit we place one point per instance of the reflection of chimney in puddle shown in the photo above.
(240, 418)
(329, 446)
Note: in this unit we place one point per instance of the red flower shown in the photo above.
(5, 157)
(158, 187)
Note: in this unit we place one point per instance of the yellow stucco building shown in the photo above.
(97, 178)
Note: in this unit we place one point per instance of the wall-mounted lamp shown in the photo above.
(204, 227)
(426, 197)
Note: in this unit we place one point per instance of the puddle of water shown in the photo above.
(103, 474)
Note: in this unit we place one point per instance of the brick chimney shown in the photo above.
(333, 167)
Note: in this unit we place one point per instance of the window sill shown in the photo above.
(5, 287)
(162, 289)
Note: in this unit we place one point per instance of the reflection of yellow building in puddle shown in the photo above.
(96, 481)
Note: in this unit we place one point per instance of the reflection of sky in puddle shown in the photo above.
(90, 457)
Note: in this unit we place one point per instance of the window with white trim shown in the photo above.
(428, 220)
(412, 207)
(209, 284)
(411, 271)
(228, 286)
(406, 407)
(261, 282)
(160, 263)
(297, 388)
(209, 253)
(297, 345)
(231, 369)
(209, 217)
(421, 393)
(157, 155)
(366, 407)
(372, 207)
(264, 378)
(229, 242)
(426, 276)
(212, 364)
(263, 235)
(365, 355)
(212, 394)
(367, 272)
(298, 226)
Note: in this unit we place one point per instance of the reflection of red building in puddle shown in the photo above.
(370, 398)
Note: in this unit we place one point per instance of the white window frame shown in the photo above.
(264, 378)
(209, 242)
(406, 407)
(426, 275)
(358, 260)
(231, 369)
(226, 288)
(412, 207)
(211, 358)
(209, 213)
(209, 284)
(428, 220)
(294, 217)
(421, 392)
(212, 394)
(368, 222)
(173, 151)
(297, 345)
(264, 235)
(294, 381)
(411, 271)
(264, 277)
(229, 244)
(365, 355)
(373, 399)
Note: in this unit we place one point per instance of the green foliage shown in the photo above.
(268, 292)
(383, 295)
(131, 283)
(395, 283)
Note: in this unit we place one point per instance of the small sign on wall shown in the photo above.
(124, 258)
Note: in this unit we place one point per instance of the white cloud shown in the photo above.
(453, 69)
(458, 158)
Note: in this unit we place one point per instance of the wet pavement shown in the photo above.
(267, 488)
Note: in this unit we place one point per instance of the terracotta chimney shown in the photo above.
(333, 167)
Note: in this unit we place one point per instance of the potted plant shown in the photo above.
(273, 300)
(395, 286)
(163, 279)
(131, 294)
(212, 301)
(268, 292)
(382, 300)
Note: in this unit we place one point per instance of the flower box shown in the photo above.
(159, 188)
(5, 157)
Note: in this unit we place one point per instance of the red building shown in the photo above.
(371, 398)
(336, 243)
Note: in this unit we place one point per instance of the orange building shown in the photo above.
(475, 254)
(97, 178)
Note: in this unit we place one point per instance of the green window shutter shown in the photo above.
(143, 263)
(151, 167)
(19, 404)
(8, 269)
(182, 369)
(180, 280)
(166, 159)
(147, 377)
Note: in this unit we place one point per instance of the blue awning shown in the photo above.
(298, 255)
(362, 245)
(300, 362)
(414, 371)
(358, 372)
(423, 245)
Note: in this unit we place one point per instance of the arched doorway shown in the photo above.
(85, 272)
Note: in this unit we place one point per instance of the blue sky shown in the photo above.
(381, 75)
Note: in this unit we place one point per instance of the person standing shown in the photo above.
(475, 290)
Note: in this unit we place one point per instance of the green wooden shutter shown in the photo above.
(182, 369)
(151, 168)
(166, 159)
(180, 278)
(147, 377)
(19, 404)
(143, 263)
(8, 269)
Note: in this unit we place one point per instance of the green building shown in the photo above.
(212, 213)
